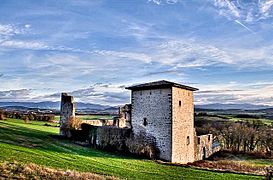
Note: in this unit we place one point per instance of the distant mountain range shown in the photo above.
(53, 105)
(219, 106)
(98, 107)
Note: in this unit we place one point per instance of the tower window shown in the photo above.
(188, 140)
(180, 103)
(209, 138)
(150, 92)
(198, 140)
(145, 123)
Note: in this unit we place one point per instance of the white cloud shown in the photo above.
(192, 53)
(106, 94)
(245, 11)
(236, 93)
(10, 29)
(188, 53)
(233, 9)
(23, 45)
(127, 55)
(7, 29)
(27, 25)
(59, 67)
(158, 2)
(265, 6)
(171, 1)
(20, 94)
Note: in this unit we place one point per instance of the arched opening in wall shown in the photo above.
(180, 103)
(204, 153)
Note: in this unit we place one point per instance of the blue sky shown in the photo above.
(93, 49)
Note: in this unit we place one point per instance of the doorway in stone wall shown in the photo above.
(204, 153)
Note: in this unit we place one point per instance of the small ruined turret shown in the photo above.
(124, 118)
(67, 111)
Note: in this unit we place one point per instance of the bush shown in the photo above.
(2, 116)
(73, 123)
(25, 118)
(246, 116)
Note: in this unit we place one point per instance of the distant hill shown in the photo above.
(219, 106)
(52, 105)
(98, 107)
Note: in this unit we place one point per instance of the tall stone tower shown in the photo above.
(164, 110)
(67, 111)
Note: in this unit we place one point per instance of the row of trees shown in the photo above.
(26, 117)
(2, 117)
(242, 136)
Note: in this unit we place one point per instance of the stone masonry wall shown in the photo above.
(151, 114)
(183, 130)
(203, 147)
(67, 111)
(124, 119)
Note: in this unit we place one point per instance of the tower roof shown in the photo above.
(160, 84)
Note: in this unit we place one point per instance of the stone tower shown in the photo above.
(164, 110)
(67, 111)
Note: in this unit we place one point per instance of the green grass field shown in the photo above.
(251, 120)
(95, 117)
(233, 119)
(32, 143)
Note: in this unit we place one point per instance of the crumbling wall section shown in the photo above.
(122, 140)
(124, 118)
(67, 111)
(203, 147)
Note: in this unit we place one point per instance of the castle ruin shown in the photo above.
(67, 111)
(163, 111)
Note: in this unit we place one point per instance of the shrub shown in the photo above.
(73, 123)
(25, 118)
(2, 116)
(246, 116)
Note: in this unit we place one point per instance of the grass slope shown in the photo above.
(31, 143)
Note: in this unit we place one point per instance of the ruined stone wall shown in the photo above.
(124, 119)
(67, 111)
(183, 130)
(151, 114)
(98, 122)
(203, 147)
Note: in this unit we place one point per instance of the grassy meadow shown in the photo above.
(32, 143)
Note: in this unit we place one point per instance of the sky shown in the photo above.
(93, 49)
